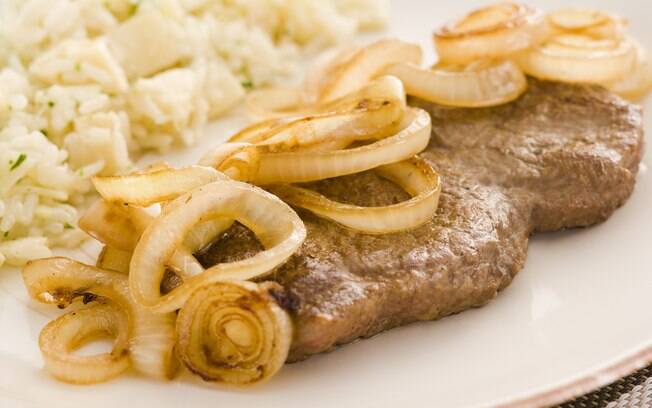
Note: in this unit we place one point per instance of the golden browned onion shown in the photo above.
(239, 161)
(304, 166)
(233, 332)
(61, 281)
(415, 176)
(478, 84)
(114, 259)
(586, 21)
(155, 186)
(580, 58)
(352, 70)
(275, 224)
(363, 115)
(121, 226)
(118, 226)
(638, 82)
(72, 330)
(491, 32)
(276, 103)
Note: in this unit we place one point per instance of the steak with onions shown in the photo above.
(561, 156)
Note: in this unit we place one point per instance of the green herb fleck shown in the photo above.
(6, 234)
(51, 104)
(81, 172)
(45, 132)
(247, 84)
(14, 164)
(68, 226)
(78, 67)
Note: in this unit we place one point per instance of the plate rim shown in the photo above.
(584, 384)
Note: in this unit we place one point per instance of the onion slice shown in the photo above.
(61, 281)
(114, 259)
(479, 84)
(120, 227)
(638, 82)
(352, 70)
(156, 186)
(72, 330)
(276, 225)
(415, 176)
(586, 21)
(234, 332)
(304, 166)
(239, 161)
(491, 32)
(580, 58)
(361, 115)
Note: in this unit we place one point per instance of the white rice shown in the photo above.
(87, 85)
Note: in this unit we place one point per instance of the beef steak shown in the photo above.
(561, 156)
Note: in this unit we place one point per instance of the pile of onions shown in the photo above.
(589, 46)
(228, 329)
(483, 59)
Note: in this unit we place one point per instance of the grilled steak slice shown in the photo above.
(561, 156)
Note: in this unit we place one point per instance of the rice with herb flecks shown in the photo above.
(87, 85)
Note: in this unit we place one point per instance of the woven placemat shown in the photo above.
(633, 391)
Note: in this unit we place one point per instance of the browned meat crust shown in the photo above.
(561, 156)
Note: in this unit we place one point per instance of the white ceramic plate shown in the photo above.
(578, 315)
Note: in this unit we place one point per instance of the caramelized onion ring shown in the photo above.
(120, 227)
(479, 84)
(60, 281)
(114, 259)
(361, 115)
(233, 332)
(239, 161)
(72, 330)
(638, 82)
(304, 166)
(353, 70)
(415, 176)
(155, 186)
(580, 58)
(491, 32)
(275, 224)
(591, 22)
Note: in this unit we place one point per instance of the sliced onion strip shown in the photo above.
(580, 58)
(304, 166)
(114, 259)
(275, 224)
(60, 281)
(638, 82)
(353, 70)
(72, 330)
(156, 186)
(233, 332)
(359, 116)
(491, 32)
(415, 176)
(591, 22)
(120, 227)
(239, 161)
(484, 83)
